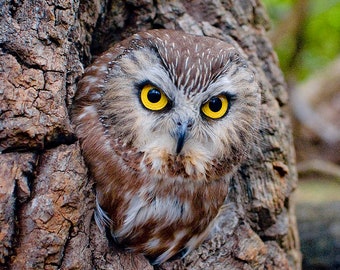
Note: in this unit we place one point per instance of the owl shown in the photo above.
(164, 120)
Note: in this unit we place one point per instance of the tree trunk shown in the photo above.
(46, 197)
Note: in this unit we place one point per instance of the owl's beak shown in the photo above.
(181, 132)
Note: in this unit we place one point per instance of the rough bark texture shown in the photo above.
(46, 197)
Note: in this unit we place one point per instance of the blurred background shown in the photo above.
(306, 37)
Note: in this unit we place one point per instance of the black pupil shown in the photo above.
(215, 104)
(154, 95)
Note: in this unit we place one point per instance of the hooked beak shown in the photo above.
(182, 132)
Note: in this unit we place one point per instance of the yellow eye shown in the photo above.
(216, 107)
(153, 98)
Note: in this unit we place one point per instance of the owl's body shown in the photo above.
(164, 119)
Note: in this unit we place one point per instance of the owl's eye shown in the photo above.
(216, 107)
(153, 98)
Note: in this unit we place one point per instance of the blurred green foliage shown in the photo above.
(318, 40)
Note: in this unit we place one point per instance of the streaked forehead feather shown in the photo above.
(192, 62)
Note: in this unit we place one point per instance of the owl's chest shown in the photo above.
(169, 217)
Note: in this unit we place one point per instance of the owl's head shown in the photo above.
(186, 104)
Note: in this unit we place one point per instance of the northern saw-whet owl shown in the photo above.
(164, 119)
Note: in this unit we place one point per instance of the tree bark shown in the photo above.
(46, 197)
